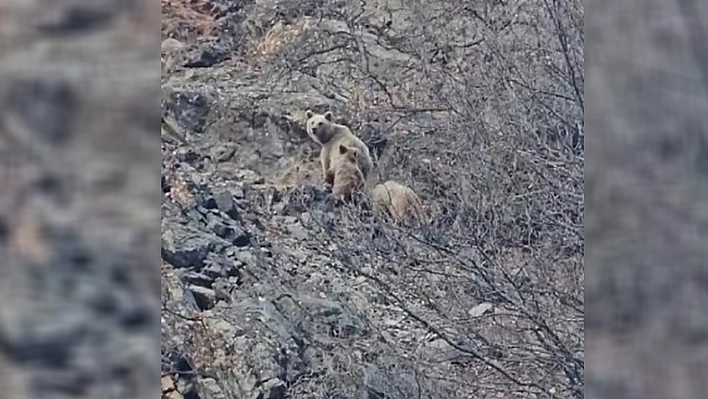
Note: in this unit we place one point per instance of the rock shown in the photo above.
(342, 322)
(204, 211)
(394, 384)
(194, 215)
(164, 184)
(46, 107)
(302, 198)
(222, 201)
(132, 311)
(205, 57)
(223, 287)
(207, 201)
(238, 192)
(173, 395)
(249, 176)
(204, 298)
(273, 388)
(241, 238)
(225, 203)
(211, 389)
(199, 279)
(219, 267)
(220, 229)
(296, 229)
(188, 155)
(234, 234)
(481, 309)
(189, 109)
(78, 19)
(188, 387)
(183, 247)
(167, 384)
(246, 257)
(224, 153)
(299, 256)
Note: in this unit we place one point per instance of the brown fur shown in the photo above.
(322, 129)
(345, 177)
(398, 200)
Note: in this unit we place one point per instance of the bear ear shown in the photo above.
(343, 149)
(328, 115)
(309, 114)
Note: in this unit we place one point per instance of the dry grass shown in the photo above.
(187, 15)
(277, 37)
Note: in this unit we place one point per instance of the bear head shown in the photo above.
(349, 153)
(319, 126)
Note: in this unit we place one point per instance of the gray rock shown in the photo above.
(199, 279)
(274, 388)
(219, 228)
(206, 55)
(204, 298)
(246, 257)
(194, 215)
(224, 153)
(231, 232)
(248, 176)
(218, 266)
(394, 384)
(481, 309)
(187, 387)
(188, 155)
(183, 246)
(190, 109)
(225, 203)
(342, 322)
(211, 389)
(45, 106)
(298, 231)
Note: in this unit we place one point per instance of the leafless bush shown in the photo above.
(484, 104)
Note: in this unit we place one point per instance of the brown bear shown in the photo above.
(322, 129)
(398, 200)
(345, 176)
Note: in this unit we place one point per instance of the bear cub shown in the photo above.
(345, 176)
(398, 200)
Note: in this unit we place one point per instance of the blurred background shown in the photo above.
(79, 199)
(645, 187)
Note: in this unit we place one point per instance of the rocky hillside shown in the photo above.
(79, 237)
(270, 292)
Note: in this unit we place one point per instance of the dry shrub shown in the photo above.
(489, 110)
(277, 37)
(181, 17)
